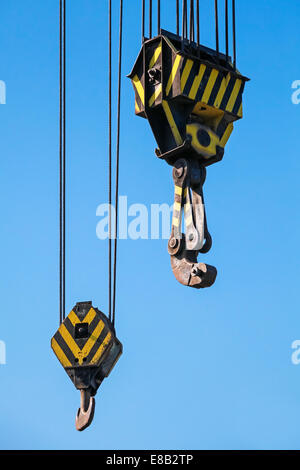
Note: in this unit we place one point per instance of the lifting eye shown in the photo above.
(81, 330)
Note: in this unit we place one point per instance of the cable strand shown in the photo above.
(109, 160)
(62, 157)
(60, 163)
(234, 33)
(64, 164)
(117, 163)
(217, 27)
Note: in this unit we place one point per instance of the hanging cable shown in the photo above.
(62, 157)
(217, 27)
(62, 160)
(198, 23)
(117, 162)
(234, 34)
(150, 19)
(143, 21)
(226, 30)
(60, 163)
(64, 166)
(177, 17)
(109, 159)
(158, 17)
(184, 19)
(192, 21)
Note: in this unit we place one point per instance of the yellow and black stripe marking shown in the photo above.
(206, 84)
(139, 94)
(174, 77)
(224, 131)
(74, 348)
(177, 92)
(180, 194)
(172, 123)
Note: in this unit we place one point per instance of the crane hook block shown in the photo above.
(192, 96)
(87, 347)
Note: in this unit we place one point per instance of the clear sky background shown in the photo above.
(206, 369)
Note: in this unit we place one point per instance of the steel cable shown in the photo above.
(217, 27)
(109, 158)
(62, 157)
(226, 29)
(234, 33)
(117, 162)
(198, 23)
(192, 21)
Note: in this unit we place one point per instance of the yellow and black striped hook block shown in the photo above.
(87, 347)
(191, 96)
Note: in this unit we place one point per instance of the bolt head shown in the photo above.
(173, 242)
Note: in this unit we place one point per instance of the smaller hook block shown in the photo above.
(87, 347)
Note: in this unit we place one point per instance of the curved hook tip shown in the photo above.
(85, 417)
(190, 273)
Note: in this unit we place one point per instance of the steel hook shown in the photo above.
(190, 273)
(85, 413)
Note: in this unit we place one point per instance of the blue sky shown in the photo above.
(204, 369)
